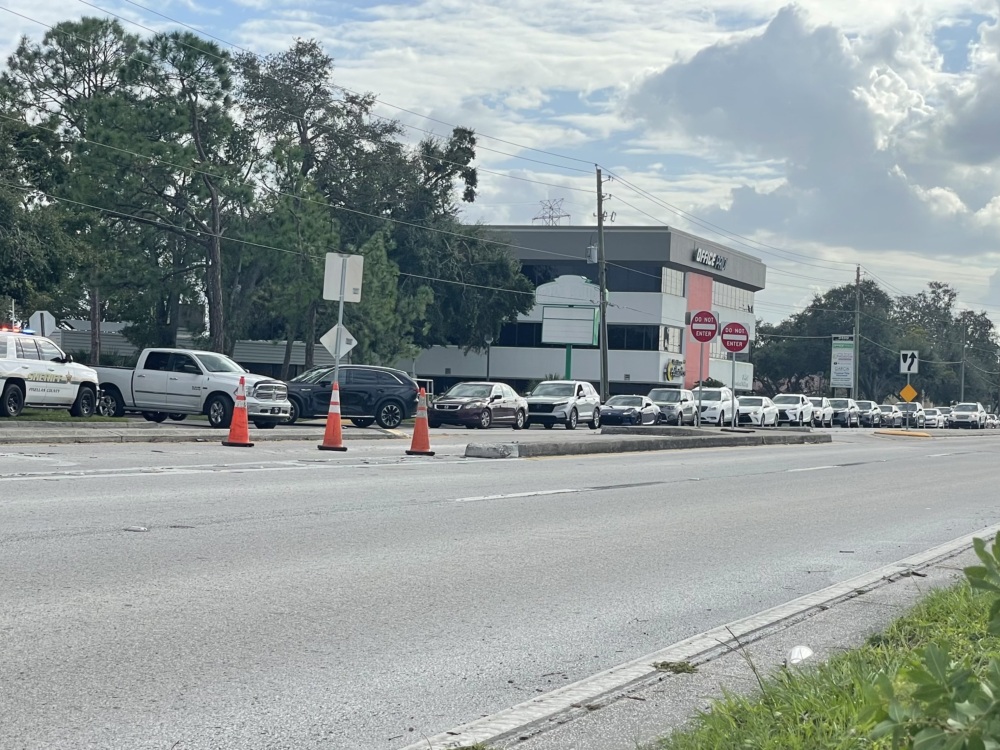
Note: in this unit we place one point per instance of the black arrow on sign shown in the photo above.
(912, 357)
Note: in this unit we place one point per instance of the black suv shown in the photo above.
(367, 395)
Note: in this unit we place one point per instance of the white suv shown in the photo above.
(822, 411)
(970, 414)
(565, 402)
(35, 372)
(793, 409)
(717, 405)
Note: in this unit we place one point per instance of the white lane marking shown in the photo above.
(507, 723)
(538, 493)
(811, 468)
(940, 455)
(235, 469)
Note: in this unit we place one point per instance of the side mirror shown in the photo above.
(496, 397)
(68, 358)
(326, 384)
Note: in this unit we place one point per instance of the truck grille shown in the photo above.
(271, 392)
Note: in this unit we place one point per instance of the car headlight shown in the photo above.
(473, 405)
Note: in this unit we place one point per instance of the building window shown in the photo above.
(634, 338)
(626, 276)
(731, 297)
(672, 338)
(673, 282)
(717, 351)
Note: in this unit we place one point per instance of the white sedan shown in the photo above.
(758, 411)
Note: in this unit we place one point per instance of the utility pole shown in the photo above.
(602, 280)
(857, 333)
(965, 332)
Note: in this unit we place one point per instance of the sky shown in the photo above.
(815, 136)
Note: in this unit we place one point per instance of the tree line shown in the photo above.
(794, 355)
(163, 182)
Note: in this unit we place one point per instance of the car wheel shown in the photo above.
(220, 411)
(294, 413)
(154, 416)
(595, 423)
(110, 403)
(433, 425)
(520, 420)
(548, 425)
(12, 400)
(85, 404)
(389, 415)
(485, 419)
(267, 425)
(574, 418)
(362, 423)
(178, 417)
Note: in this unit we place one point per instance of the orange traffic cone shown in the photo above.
(239, 430)
(421, 443)
(333, 438)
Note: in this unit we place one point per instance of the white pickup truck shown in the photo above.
(176, 382)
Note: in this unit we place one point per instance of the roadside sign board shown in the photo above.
(842, 363)
(909, 362)
(338, 341)
(355, 270)
(575, 326)
(42, 322)
(908, 393)
(735, 337)
(704, 326)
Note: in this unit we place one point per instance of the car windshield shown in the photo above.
(966, 407)
(751, 401)
(907, 407)
(625, 401)
(711, 395)
(866, 405)
(945, 410)
(315, 375)
(553, 389)
(816, 401)
(885, 407)
(931, 412)
(469, 390)
(839, 403)
(786, 399)
(665, 396)
(218, 363)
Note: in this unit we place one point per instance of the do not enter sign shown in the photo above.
(735, 337)
(704, 326)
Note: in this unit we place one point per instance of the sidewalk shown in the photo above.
(136, 431)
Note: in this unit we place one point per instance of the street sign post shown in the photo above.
(909, 362)
(42, 322)
(735, 338)
(342, 281)
(704, 328)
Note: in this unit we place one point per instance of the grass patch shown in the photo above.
(59, 415)
(822, 706)
(675, 667)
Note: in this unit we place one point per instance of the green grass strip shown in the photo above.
(819, 707)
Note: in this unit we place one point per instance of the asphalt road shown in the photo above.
(284, 598)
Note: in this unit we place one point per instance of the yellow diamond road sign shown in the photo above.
(908, 393)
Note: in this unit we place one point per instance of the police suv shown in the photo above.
(35, 372)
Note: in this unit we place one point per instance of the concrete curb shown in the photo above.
(635, 444)
(699, 431)
(176, 436)
(904, 433)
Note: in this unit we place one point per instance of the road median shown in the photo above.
(615, 441)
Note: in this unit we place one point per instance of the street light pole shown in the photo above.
(602, 280)
(489, 343)
(961, 393)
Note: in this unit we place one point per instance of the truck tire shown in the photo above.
(268, 424)
(154, 416)
(110, 402)
(178, 417)
(86, 402)
(12, 400)
(219, 409)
